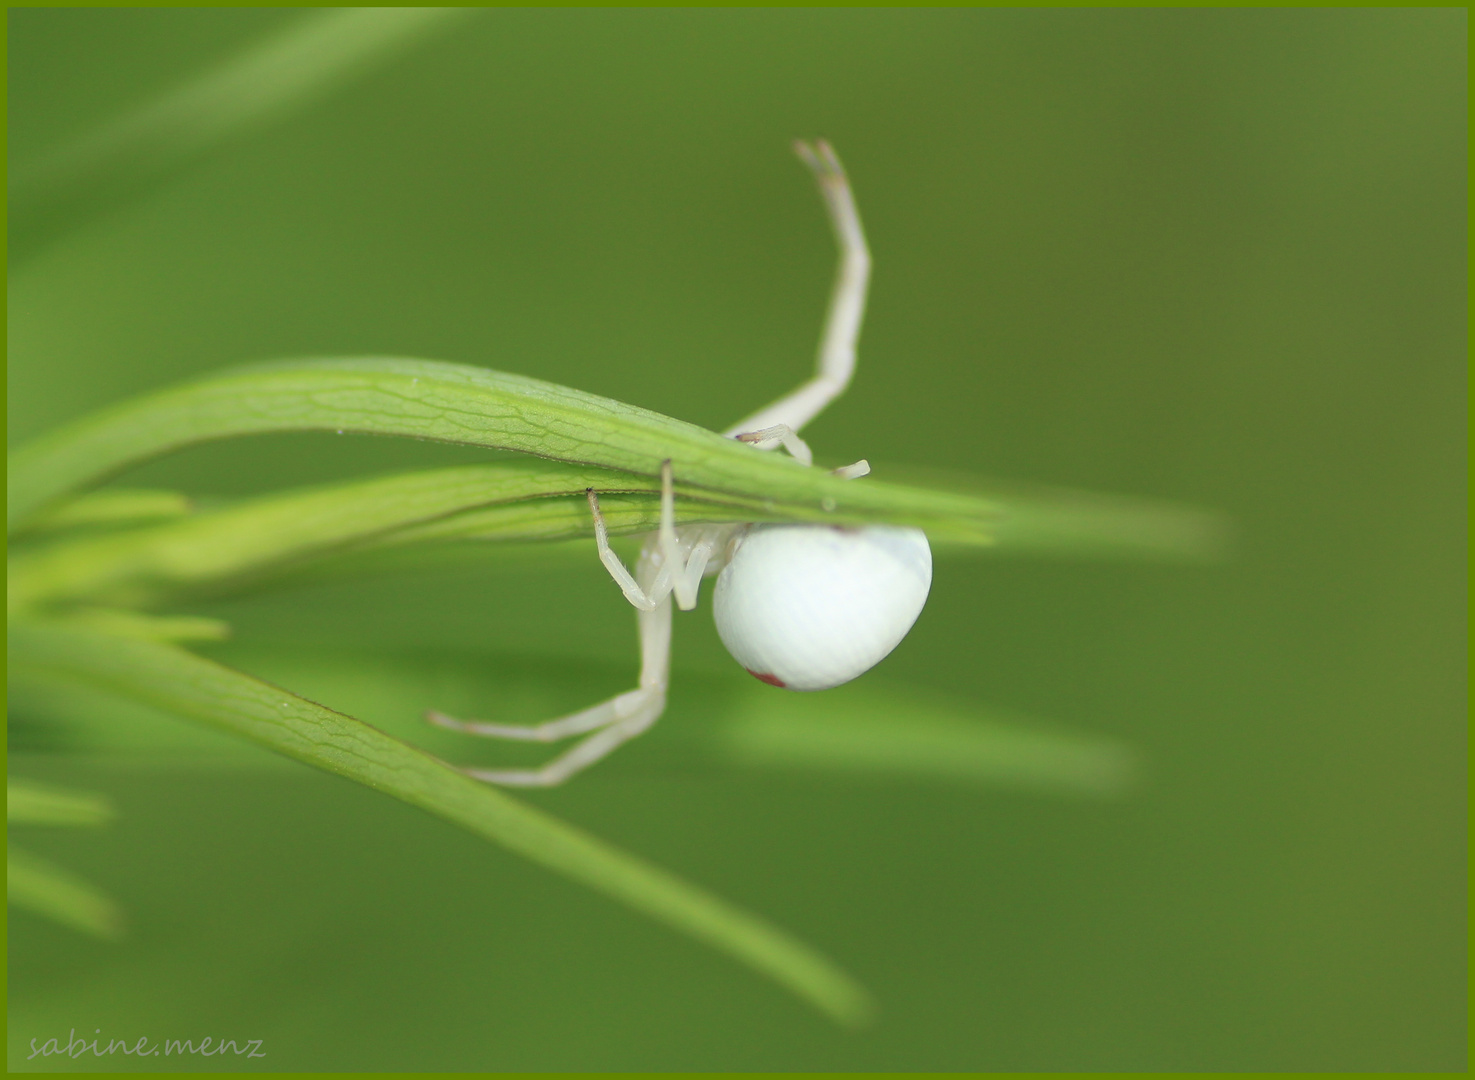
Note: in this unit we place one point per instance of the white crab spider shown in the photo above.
(805, 607)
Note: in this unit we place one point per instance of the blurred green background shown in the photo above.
(1210, 256)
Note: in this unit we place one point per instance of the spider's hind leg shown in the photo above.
(611, 722)
(581, 756)
(621, 718)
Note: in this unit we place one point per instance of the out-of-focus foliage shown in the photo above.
(33, 883)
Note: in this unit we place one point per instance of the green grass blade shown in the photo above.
(176, 680)
(47, 890)
(261, 533)
(29, 803)
(521, 500)
(870, 731)
(308, 57)
(460, 404)
(113, 508)
(54, 714)
(265, 534)
(1077, 524)
(1066, 524)
(894, 732)
(124, 622)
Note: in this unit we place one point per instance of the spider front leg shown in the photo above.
(664, 567)
(842, 323)
(779, 434)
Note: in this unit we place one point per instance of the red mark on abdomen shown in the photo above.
(771, 680)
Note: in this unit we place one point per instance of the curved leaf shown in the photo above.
(30, 803)
(267, 79)
(455, 403)
(891, 731)
(520, 500)
(114, 508)
(40, 886)
(173, 679)
(870, 730)
(514, 500)
(293, 526)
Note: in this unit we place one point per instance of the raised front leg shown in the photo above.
(780, 435)
(847, 304)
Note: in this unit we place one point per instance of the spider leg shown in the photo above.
(644, 599)
(579, 723)
(637, 709)
(581, 756)
(686, 552)
(847, 303)
(769, 437)
(620, 718)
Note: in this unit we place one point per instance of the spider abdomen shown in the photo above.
(808, 607)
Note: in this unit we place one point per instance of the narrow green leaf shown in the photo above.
(890, 731)
(872, 730)
(261, 534)
(30, 803)
(460, 404)
(41, 887)
(521, 500)
(284, 71)
(173, 679)
(560, 518)
(52, 713)
(1078, 524)
(1035, 522)
(135, 624)
(112, 508)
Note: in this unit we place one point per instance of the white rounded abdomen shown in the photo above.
(809, 607)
